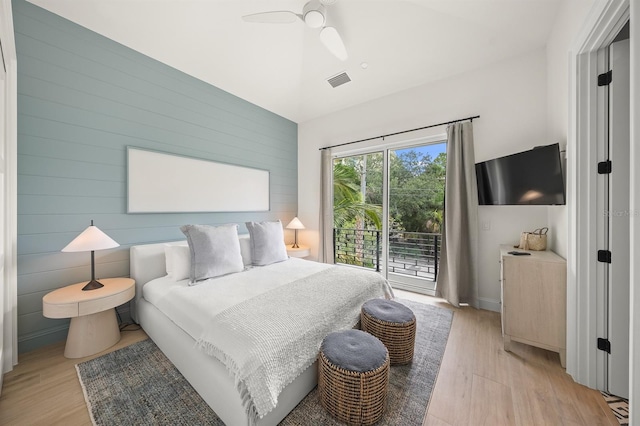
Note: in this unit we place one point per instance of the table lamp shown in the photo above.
(91, 239)
(295, 224)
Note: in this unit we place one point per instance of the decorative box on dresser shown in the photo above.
(534, 299)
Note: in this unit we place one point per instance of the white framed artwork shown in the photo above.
(159, 182)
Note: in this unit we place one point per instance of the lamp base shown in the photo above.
(295, 245)
(92, 285)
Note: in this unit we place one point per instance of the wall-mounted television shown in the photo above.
(527, 178)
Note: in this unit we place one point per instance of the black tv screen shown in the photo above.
(527, 178)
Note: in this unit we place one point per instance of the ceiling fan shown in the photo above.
(314, 16)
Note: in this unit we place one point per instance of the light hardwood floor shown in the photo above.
(478, 383)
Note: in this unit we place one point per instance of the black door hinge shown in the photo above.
(604, 256)
(604, 345)
(605, 79)
(604, 167)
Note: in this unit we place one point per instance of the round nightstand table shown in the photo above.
(301, 251)
(94, 326)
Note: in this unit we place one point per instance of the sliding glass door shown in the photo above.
(357, 210)
(388, 210)
(416, 204)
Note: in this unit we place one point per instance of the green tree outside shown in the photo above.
(416, 191)
(416, 202)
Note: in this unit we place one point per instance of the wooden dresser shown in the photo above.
(534, 299)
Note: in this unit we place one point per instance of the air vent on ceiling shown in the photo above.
(339, 80)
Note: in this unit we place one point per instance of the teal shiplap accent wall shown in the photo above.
(82, 99)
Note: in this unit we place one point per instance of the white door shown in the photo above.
(619, 215)
(3, 219)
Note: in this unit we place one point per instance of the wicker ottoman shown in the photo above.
(353, 375)
(394, 324)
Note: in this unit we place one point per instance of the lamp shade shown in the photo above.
(91, 239)
(295, 224)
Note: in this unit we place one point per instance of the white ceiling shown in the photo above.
(283, 67)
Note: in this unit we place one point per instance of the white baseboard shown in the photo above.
(489, 304)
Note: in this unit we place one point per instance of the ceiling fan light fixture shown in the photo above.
(313, 14)
(333, 42)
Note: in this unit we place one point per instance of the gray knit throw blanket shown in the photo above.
(269, 340)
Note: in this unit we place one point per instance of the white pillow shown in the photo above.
(245, 248)
(214, 251)
(180, 256)
(168, 260)
(267, 242)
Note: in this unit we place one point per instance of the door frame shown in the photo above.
(9, 333)
(619, 143)
(584, 314)
(634, 203)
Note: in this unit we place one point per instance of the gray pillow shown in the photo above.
(267, 242)
(214, 251)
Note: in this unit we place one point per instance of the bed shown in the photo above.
(162, 307)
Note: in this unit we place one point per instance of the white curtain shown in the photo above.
(325, 249)
(457, 276)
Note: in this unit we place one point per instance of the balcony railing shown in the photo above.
(410, 253)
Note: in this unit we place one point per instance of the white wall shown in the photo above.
(510, 97)
(569, 20)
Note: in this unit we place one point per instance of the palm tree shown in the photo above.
(348, 203)
(434, 221)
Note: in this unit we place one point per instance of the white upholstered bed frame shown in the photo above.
(209, 377)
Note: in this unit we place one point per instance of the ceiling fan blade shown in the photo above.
(276, 17)
(333, 42)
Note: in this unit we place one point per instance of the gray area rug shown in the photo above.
(138, 385)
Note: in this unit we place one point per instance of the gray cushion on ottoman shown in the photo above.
(354, 350)
(388, 310)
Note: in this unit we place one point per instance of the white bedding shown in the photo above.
(192, 307)
(225, 316)
(270, 339)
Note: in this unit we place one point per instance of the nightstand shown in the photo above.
(302, 251)
(94, 326)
